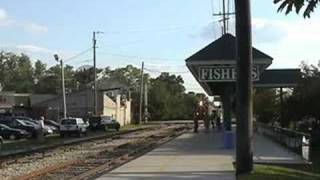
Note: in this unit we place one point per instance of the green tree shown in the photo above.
(50, 82)
(84, 77)
(16, 72)
(39, 69)
(168, 99)
(305, 99)
(266, 105)
(289, 5)
(130, 76)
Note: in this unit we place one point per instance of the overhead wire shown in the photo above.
(136, 56)
(77, 55)
(172, 72)
(166, 29)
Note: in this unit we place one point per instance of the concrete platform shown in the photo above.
(190, 156)
(267, 151)
(199, 156)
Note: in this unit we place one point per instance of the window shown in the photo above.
(69, 122)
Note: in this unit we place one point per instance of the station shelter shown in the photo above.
(214, 67)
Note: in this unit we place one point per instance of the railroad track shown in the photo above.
(18, 153)
(123, 149)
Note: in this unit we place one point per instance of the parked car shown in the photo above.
(19, 124)
(71, 126)
(46, 129)
(53, 129)
(12, 133)
(52, 123)
(103, 122)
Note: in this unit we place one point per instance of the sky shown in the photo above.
(162, 33)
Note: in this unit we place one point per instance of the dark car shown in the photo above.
(12, 133)
(103, 122)
(29, 121)
(20, 124)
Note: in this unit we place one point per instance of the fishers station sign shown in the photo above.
(223, 73)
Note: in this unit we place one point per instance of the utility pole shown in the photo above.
(141, 94)
(95, 74)
(224, 19)
(146, 113)
(244, 161)
(95, 100)
(56, 57)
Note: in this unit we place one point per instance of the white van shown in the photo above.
(71, 126)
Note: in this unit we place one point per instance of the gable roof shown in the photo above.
(224, 48)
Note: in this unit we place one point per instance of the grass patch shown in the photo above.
(266, 172)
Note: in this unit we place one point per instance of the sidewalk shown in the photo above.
(198, 156)
(267, 151)
(190, 156)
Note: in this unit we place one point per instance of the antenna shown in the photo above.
(224, 15)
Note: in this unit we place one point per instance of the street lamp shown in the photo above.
(56, 57)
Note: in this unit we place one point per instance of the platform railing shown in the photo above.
(298, 142)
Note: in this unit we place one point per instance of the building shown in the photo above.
(112, 100)
(14, 103)
(20, 104)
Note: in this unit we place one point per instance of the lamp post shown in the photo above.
(56, 57)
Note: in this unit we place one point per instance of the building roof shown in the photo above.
(224, 48)
(279, 78)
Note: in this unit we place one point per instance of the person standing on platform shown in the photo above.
(213, 119)
(218, 122)
(206, 117)
(199, 115)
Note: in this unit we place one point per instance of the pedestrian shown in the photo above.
(213, 118)
(206, 118)
(198, 115)
(41, 128)
(218, 122)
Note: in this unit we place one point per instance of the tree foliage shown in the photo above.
(16, 72)
(290, 5)
(304, 102)
(167, 97)
(266, 105)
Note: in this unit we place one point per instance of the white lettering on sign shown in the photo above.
(223, 73)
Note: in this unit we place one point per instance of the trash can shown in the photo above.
(228, 140)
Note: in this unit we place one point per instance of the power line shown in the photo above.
(166, 29)
(172, 72)
(77, 55)
(136, 56)
(165, 66)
